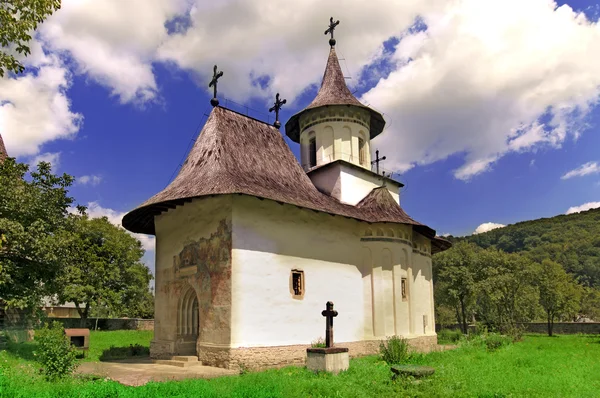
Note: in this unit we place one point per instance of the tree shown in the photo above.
(32, 214)
(457, 275)
(559, 294)
(18, 19)
(506, 292)
(104, 268)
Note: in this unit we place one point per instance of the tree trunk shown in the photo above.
(464, 316)
(550, 323)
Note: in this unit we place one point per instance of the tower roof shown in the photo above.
(235, 154)
(333, 91)
(3, 153)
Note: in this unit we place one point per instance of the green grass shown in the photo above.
(540, 366)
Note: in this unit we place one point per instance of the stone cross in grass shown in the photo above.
(329, 314)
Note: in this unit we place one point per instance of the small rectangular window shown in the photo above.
(297, 283)
(312, 152)
(403, 286)
(361, 151)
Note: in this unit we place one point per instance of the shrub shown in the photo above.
(448, 335)
(125, 352)
(318, 343)
(54, 351)
(495, 341)
(394, 350)
(514, 331)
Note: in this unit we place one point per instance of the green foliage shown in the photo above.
(495, 341)
(571, 240)
(566, 366)
(136, 350)
(104, 268)
(394, 350)
(449, 336)
(18, 18)
(318, 343)
(560, 296)
(32, 215)
(54, 351)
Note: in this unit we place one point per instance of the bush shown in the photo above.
(394, 350)
(448, 335)
(318, 343)
(495, 341)
(54, 351)
(125, 352)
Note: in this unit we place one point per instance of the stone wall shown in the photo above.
(256, 358)
(542, 327)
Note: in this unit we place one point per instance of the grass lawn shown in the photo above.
(540, 366)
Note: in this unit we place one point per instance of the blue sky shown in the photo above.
(132, 106)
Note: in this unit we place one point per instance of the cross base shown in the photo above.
(333, 360)
(214, 102)
(332, 42)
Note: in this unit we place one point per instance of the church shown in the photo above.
(251, 243)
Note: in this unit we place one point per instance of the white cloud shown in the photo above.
(113, 41)
(52, 158)
(92, 180)
(34, 108)
(488, 78)
(583, 170)
(583, 207)
(488, 226)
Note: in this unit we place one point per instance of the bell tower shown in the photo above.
(335, 132)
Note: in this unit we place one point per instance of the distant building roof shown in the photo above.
(236, 154)
(333, 91)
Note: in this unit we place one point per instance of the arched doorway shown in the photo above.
(188, 322)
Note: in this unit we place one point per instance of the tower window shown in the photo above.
(362, 158)
(297, 284)
(403, 287)
(312, 152)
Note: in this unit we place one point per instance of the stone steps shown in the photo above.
(182, 361)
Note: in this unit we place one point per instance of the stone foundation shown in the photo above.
(333, 360)
(256, 358)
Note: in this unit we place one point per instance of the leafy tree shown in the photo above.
(32, 214)
(54, 351)
(103, 269)
(18, 19)
(457, 275)
(506, 290)
(559, 294)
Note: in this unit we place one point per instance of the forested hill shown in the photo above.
(572, 240)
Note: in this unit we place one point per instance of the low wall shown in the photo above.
(106, 323)
(542, 327)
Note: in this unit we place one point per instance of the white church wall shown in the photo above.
(422, 283)
(357, 184)
(195, 223)
(271, 240)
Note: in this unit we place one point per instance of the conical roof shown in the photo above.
(3, 153)
(236, 154)
(333, 91)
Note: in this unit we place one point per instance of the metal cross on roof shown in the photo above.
(276, 107)
(329, 314)
(377, 160)
(332, 26)
(213, 83)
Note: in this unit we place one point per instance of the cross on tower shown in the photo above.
(329, 314)
(377, 160)
(213, 83)
(332, 26)
(276, 107)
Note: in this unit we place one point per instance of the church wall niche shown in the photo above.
(193, 249)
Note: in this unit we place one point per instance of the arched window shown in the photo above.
(362, 152)
(312, 151)
(379, 232)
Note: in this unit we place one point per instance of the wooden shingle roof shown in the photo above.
(236, 154)
(334, 91)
